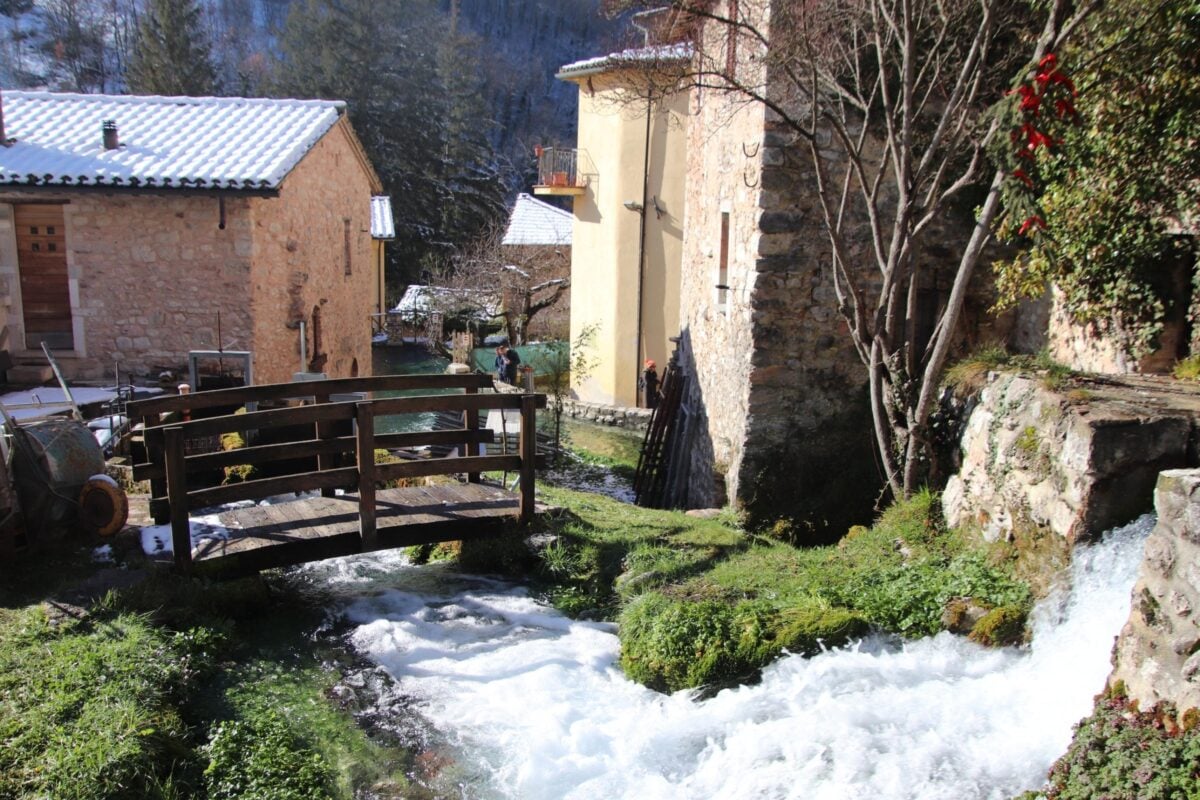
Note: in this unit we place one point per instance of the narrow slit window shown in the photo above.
(346, 239)
(723, 264)
(731, 33)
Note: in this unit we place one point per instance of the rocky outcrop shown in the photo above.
(1077, 458)
(1157, 657)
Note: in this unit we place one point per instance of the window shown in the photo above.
(346, 241)
(723, 264)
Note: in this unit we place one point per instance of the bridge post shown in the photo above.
(365, 419)
(181, 526)
(324, 430)
(528, 454)
(471, 423)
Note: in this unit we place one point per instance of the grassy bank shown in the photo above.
(176, 689)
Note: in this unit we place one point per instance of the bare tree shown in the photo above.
(895, 103)
(512, 284)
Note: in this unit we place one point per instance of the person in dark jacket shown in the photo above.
(650, 384)
(501, 364)
(512, 360)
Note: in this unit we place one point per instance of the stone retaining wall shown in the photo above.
(1077, 460)
(1158, 652)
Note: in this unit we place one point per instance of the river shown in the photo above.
(522, 702)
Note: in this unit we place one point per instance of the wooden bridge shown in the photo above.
(321, 436)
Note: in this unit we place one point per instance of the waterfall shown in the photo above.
(529, 704)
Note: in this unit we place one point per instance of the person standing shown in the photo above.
(513, 360)
(501, 364)
(650, 384)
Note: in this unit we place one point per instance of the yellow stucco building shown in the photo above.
(627, 181)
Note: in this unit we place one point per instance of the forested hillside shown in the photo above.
(448, 96)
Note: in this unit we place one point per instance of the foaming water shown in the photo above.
(534, 706)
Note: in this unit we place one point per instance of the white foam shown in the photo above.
(536, 705)
(157, 538)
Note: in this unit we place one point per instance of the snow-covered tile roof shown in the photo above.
(636, 57)
(383, 225)
(533, 222)
(175, 142)
(419, 300)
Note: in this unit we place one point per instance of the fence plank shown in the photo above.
(181, 526)
(446, 466)
(528, 454)
(366, 477)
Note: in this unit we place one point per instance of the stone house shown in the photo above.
(626, 177)
(134, 230)
(537, 242)
(775, 413)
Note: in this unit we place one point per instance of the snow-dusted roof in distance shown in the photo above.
(635, 57)
(172, 142)
(419, 300)
(383, 225)
(533, 222)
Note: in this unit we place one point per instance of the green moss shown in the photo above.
(1028, 441)
(1000, 627)
(1187, 369)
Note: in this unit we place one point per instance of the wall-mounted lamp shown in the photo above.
(633, 206)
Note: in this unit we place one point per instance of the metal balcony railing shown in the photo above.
(558, 171)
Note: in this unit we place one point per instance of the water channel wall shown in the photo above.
(1157, 657)
(1076, 457)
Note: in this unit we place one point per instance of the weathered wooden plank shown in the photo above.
(451, 402)
(446, 466)
(528, 455)
(366, 476)
(181, 528)
(262, 454)
(289, 391)
(343, 478)
(274, 418)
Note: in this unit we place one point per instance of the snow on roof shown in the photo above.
(420, 300)
(175, 142)
(533, 222)
(636, 57)
(383, 225)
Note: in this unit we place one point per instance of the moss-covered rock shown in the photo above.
(670, 643)
(1000, 627)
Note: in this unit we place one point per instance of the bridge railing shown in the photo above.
(333, 433)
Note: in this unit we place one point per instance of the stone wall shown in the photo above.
(153, 272)
(312, 250)
(1157, 656)
(1077, 460)
(630, 419)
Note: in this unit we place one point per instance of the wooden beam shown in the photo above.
(274, 418)
(461, 402)
(366, 477)
(239, 396)
(528, 455)
(177, 496)
(344, 478)
(446, 466)
(266, 453)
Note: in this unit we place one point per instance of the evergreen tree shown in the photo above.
(423, 138)
(172, 55)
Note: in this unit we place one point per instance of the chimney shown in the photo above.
(109, 130)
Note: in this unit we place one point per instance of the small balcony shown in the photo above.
(558, 172)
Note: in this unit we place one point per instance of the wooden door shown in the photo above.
(42, 260)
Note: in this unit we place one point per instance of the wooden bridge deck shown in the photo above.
(315, 528)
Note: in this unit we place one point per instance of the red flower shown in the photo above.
(1024, 178)
(1029, 99)
(1064, 108)
(1047, 61)
(1031, 222)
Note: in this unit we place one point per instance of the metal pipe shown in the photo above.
(637, 356)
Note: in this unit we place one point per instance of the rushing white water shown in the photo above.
(534, 707)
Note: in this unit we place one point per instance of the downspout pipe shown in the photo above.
(637, 357)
